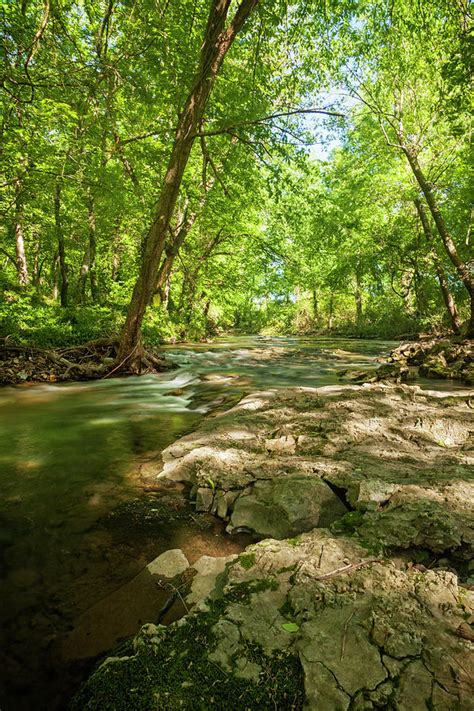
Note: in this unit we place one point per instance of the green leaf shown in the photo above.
(290, 627)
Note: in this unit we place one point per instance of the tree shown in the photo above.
(218, 39)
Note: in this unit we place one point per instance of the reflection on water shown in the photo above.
(65, 456)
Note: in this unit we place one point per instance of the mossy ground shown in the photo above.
(177, 674)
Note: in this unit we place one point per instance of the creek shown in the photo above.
(77, 523)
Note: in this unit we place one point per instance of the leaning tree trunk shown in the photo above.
(448, 242)
(217, 40)
(440, 273)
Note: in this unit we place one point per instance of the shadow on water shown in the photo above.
(76, 526)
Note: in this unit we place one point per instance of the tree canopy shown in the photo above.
(191, 167)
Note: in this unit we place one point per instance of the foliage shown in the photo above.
(279, 241)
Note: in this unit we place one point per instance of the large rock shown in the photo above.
(284, 507)
(401, 456)
(312, 622)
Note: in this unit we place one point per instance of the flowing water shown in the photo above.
(76, 524)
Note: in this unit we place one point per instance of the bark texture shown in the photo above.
(21, 263)
(440, 273)
(63, 293)
(448, 242)
(218, 39)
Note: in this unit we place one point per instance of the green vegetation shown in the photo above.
(150, 180)
(247, 560)
(176, 672)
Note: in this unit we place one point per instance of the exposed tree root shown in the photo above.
(93, 360)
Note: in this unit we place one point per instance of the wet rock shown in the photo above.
(437, 358)
(467, 374)
(435, 366)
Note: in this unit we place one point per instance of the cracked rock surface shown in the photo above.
(360, 596)
(364, 634)
(284, 462)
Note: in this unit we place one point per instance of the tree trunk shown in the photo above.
(55, 277)
(88, 260)
(314, 295)
(217, 41)
(60, 244)
(331, 312)
(440, 273)
(85, 266)
(171, 253)
(36, 275)
(444, 233)
(21, 263)
(117, 248)
(92, 248)
(358, 297)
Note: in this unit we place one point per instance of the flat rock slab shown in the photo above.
(169, 564)
(282, 462)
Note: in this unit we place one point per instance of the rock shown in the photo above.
(435, 366)
(281, 444)
(437, 358)
(360, 634)
(207, 569)
(467, 374)
(287, 506)
(408, 523)
(358, 376)
(204, 499)
(371, 493)
(375, 445)
(169, 564)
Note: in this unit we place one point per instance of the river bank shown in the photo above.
(84, 514)
(360, 594)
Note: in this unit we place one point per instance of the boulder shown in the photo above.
(286, 506)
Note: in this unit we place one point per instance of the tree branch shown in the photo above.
(270, 117)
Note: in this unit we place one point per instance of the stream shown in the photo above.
(76, 522)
